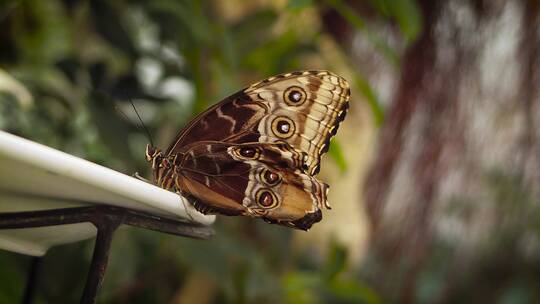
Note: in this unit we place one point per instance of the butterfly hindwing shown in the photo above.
(253, 179)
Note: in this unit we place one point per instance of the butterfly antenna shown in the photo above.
(125, 116)
(142, 123)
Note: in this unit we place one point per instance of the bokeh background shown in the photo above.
(434, 174)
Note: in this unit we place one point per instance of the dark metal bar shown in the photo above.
(106, 225)
(31, 280)
(53, 217)
(166, 225)
(106, 219)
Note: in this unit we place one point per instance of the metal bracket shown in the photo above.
(106, 219)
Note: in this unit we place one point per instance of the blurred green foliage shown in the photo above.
(68, 70)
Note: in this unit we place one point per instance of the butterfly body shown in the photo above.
(256, 152)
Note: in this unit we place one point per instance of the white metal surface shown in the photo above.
(37, 177)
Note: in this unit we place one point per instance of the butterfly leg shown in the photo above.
(137, 176)
(189, 207)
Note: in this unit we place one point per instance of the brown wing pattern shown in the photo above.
(255, 153)
(308, 122)
(258, 180)
(303, 109)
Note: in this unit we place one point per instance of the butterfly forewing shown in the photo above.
(303, 109)
(234, 115)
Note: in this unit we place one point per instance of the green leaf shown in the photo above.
(405, 12)
(371, 97)
(336, 153)
(408, 16)
(336, 262)
(301, 287)
(190, 16)
(248, 33)
(11, 277)
(355, 20)
(278, 55)
(352, 291)
(297, 5)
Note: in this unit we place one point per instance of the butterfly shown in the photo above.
(256, 152)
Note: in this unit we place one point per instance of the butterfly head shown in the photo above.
(153, 156)
(152, 153)
(163, 167)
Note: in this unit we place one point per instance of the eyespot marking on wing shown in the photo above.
(266, 198)
(283, 127)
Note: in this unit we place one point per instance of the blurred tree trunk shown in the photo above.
(453, 196)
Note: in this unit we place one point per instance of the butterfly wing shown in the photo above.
(255, 153)
(303, 109)
(255, 179)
